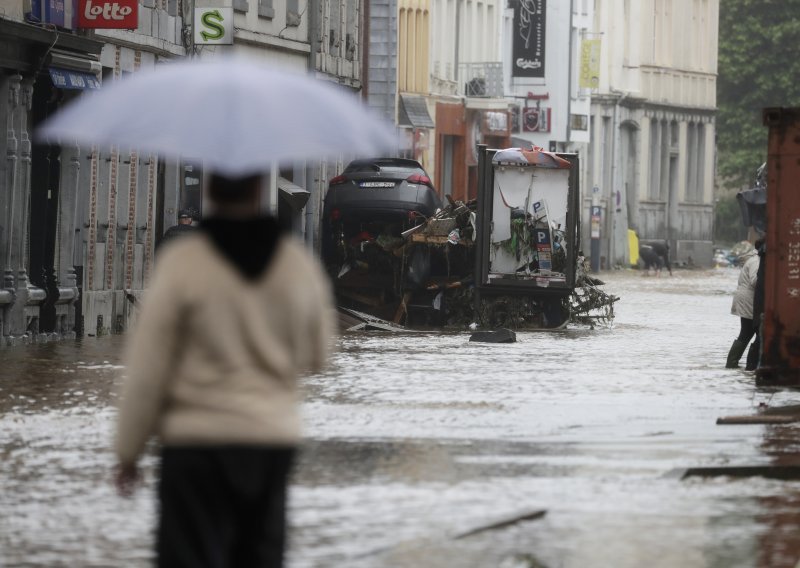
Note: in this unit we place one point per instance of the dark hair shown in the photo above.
(233, 190)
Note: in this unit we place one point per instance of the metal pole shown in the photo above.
(191, 28)
(594, 224)
(618, 240)
(569, 76)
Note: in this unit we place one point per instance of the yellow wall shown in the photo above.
(413, 46)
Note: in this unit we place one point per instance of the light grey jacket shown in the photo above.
(745, 290)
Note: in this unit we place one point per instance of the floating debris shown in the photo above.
(503, 523)
(496, 336)
(783, 472)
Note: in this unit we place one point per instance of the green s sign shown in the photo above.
(212, 21)
(213, 26)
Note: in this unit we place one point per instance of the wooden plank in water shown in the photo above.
(784, 472)
(353, 320)
(784, 410)
(759, 419)
(504, 522)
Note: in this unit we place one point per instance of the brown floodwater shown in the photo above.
(413, 439)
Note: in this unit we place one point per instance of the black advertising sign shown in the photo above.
(528, 43)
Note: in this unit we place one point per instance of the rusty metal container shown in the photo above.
(780, 358)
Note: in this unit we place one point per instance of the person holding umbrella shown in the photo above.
(212, 370)
(235, 311)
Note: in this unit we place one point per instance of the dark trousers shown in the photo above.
(747, 329)
(223, 507)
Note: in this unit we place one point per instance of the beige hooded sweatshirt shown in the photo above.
(214, 356)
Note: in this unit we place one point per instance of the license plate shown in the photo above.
(376, 184)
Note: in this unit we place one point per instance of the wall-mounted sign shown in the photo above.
(60, 13)
(579, 121)
(69, 79)
(108, 14)
(213, 26)
(536, 119)
(590, 64)
(595, 221)
(528, 44)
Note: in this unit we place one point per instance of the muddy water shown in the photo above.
(413, 439)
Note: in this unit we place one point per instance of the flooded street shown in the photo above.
(416, 438)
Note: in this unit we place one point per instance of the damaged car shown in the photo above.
(372, 197)
(367, 208)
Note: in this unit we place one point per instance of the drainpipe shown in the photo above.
(365, 35)
(458, 39)
(190, 39)
(390, 105)
(569, 73)
(312, 173)
(313, 36)
(619, 218)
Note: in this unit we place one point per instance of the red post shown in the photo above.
(780, 359)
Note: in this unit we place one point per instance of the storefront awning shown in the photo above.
(414, 112)
(68, 79)
(295, 195)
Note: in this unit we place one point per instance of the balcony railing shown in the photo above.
(481, 79)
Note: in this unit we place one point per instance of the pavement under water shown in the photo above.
(413, 439)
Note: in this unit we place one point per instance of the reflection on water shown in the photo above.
(415, 438)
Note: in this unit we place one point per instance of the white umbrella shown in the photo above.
(235, 114)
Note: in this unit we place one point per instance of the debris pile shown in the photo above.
(590, 305)
(508, 259)
(425, 278)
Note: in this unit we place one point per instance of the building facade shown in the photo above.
(651, 162)
(467, 90)
(397, 72)
(549, 101)
(44, 197)
(444, 70)
(79, 225)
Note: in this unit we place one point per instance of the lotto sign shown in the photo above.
(108, 14)
(213, 26)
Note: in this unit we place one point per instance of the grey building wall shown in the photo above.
(652, 166)
(112, 205)
(337, 53)
(382, 62)
(39, 186)
(77, 226)
(128, 200)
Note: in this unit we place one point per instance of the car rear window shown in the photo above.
(398, 170)
(357, 168)
(386, 167)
